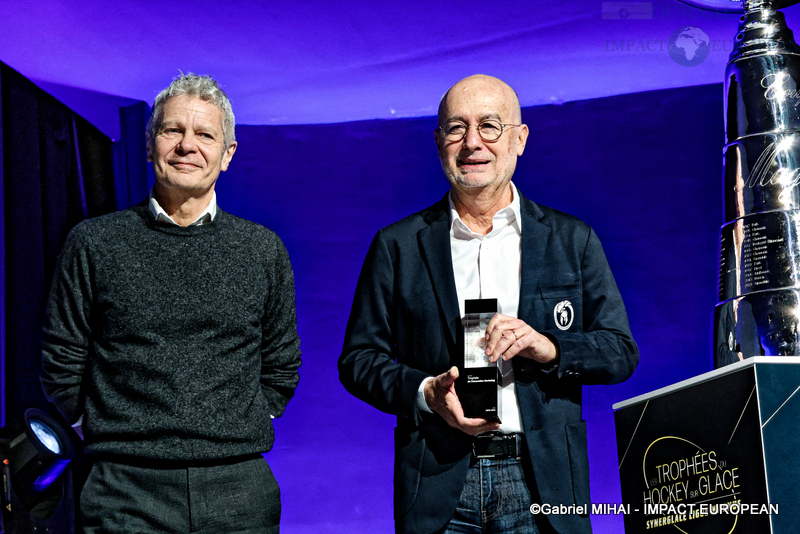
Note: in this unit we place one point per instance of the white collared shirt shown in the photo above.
(484, 267)
(206, 216)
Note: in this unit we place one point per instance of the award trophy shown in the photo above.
(477, 377)
(759, 277)
(725, 414)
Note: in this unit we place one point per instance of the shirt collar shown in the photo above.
(205, 217)
(508, 216)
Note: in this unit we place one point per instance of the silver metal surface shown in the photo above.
(762, 33)
(759, 283)
(760, 253)
(738, 6)
(762, 173)
(758, 324)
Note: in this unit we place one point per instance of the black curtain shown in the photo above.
(56, 169)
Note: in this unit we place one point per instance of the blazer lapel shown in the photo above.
(535, 236)
(434, 242)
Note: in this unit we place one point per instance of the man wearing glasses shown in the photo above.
(561, 323)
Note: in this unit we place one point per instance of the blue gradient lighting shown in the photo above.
(317, 62)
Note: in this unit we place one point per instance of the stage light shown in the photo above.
(34, 459)
(46, 436)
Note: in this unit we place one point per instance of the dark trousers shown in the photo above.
(241, 497)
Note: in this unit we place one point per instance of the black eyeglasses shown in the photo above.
(488, 130)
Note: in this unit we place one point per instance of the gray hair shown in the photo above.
(203, 87)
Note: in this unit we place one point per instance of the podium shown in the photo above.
(716, 454)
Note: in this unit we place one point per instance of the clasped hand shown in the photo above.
(508, 336)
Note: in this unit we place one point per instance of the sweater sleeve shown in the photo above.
(280, 343)
(66, 330)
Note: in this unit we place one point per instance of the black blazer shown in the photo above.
(402, 329)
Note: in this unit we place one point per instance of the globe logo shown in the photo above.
(688, 46)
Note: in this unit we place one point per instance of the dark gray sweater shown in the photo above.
(177, 343)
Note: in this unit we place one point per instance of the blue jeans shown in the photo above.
(495, 499)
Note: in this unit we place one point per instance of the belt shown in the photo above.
(498, 446)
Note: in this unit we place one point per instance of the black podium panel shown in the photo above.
(714, 454)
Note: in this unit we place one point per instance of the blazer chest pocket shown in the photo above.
(562, 306)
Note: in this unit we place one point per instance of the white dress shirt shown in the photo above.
(206, 216)
(484, 267)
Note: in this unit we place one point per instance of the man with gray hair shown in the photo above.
(171, 335)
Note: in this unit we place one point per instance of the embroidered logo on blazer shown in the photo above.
(563, 314)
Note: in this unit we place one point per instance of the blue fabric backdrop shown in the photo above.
(643, 169)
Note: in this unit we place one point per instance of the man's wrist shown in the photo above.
(422, 404)
(552, 364)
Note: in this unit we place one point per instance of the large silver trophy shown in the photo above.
(759, 282)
